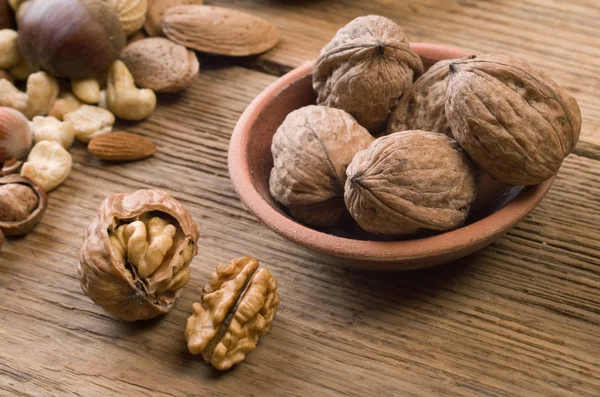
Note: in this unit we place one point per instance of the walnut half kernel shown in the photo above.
(136, 254)
(238, 306)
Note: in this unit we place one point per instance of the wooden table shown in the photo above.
(520, 318)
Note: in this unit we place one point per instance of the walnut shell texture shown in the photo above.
(422, 107)
(311, 151)
(23, 203)
(514, 121)
(238, 306)
(116, 286)
(408, 181)
(365, 69)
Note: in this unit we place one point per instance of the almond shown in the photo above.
(156, 9)
(121, 146)
(161, 65)
(217, 30)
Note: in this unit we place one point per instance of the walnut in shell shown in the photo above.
(311, 151)
(408, 181)
(422, 107)
(22, 205)
(514, 121)
(136, 254)
(365, 69)
(238, 306)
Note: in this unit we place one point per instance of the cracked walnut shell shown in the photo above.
(409, 181)
(514, 121)
(136, 254)
(365, 69)
(238, 306)
(311, 151)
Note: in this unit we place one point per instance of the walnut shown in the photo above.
(365, 69)
(514, 121)
(238, 306)
(136, 254)
(422, 107)
(408, 181)
(311, 151)
(22, 205)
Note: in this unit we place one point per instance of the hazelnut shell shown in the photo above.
(23, 227)
(16, 137)
(71, 38)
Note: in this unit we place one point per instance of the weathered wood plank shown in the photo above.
(518, 318)
(560, 37)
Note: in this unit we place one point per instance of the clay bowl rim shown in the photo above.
(477, 233)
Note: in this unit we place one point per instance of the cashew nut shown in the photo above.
(22, 70)
(86, 90)
(66, 103)
(52, 129)
(42, 90)
(10, 54)
(90, 121)
(123, 98)
(15, 4)
(48, 164)
(21, 10)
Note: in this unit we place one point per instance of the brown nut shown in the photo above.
(161, 65)
(136, 254)
(218, 30)
(16, 136)
(238, 306)
(311, 151)
(156, 10)
(71, 38)
(514, 121)
(422, 107)
(121, 146)
(365, 69)
(22, 205)
(408, 181)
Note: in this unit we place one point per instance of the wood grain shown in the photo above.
(560, 37)
(520, 318)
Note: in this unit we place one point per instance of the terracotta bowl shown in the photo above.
(498, 207)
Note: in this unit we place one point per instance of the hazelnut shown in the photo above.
(409, 181)
(16, 136)
(71, 38)
(311, 151)
(365, 68)
(136, 254)
(22, 205)
(238, 306)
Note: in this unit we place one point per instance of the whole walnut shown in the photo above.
(367, 66)
(422, 107)
(23, 203)
(311, 151)
(238, 306)
(408, 181)
(514, 121)
(136, 254)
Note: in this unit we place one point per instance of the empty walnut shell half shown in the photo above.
(238, 306)
(311, 151)
(409, 181)
(22, 205)
(514, 121)
(136, 254)
(365, 69)
(422, 107)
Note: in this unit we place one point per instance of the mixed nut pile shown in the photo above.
(438, 130)
(68, 70)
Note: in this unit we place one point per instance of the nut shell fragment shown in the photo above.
(408, 181)
(365, 69)
(311, 151)
(514, 121)
(238, 307)
(114, 247)
(30, 203)
(156, 10)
